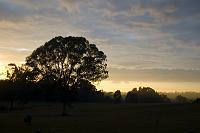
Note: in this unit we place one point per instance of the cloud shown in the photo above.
(15, 49)
(33, 4)
(12, 12)
(170, 19)
(70, 5)
(134, 34)
(144, 40)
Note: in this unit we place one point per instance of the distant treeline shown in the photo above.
(84, 92)
(188, 95)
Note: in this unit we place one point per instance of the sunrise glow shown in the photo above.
(2, 71)
(111, 86)
(152, 43)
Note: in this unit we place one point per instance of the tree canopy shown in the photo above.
(67, 60)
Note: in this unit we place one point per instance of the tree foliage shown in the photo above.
(67, 60)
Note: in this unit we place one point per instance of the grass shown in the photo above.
(105, 118)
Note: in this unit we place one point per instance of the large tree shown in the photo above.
(66, 61)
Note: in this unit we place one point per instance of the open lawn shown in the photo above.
(105, 118)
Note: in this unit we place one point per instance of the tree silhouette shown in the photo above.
(117, 96)
(18, 82)
(132, 96)
(66, 61)
(145, 95)
(181, 99)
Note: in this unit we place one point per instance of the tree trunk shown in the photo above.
(64, 113)
(66, 99)
(12, 104)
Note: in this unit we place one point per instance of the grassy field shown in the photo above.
(105, 118)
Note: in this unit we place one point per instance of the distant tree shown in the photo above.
(66, 61)
(117, 96)
(165, 98)
(181, 99)
(86, 91)
(132, 96)
(145, 95)
(197, 100)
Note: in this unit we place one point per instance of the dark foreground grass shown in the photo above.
(105, 118)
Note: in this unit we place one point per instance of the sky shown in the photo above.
(152, 43)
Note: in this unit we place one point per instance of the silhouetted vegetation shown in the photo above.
(87, 92)
(117, 96)
(62, 69)
(145, 95)
(197, 100)
(16, 87)
(189, 95)
(181, 99)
